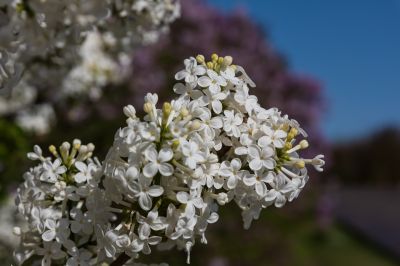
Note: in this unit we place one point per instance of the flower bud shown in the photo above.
(76, 144)
(200, 58)
(53, 150)
(147, 107)
(304, 144)
(228, 60)
(130, 111)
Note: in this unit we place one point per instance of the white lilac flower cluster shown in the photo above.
(166, 176)
(60, 200)
(212, 145)
(82, 45)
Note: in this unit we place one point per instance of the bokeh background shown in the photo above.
(332, 65)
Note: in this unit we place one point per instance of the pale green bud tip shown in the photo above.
(200, 59)
(167, 108)
(304, 144)
(52, 149)
(228, 60)
(76, 143)
(184, 112)
(147, 107)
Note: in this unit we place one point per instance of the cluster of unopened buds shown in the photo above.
(166, 175)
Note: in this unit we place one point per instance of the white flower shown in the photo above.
(80, 257)
(85, 172)
(61, 191)
(144, 192)
(56, 230)
(188, 89)
(274, 137)
(152, 221)
(158, 162)
(144, 240)
(81, 222)
(248, 101)
(213, 81)
(276, 194)
(184, 228)
(50, 251)
(232, 171)
(52, 171)
(261, 157)
(232, 122)
(192, 202)
(214, 99)
(259, 180)
(193, 155)
(191, 71)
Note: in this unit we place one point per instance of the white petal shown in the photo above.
(255, 164)
(145, 201)
(216, 122)
(151, 154)
(198, 202)
(260, 188)
(241, 150)
(181, 75)
(144, 231)
(199, 70)
(217, 106)
(180, 88)
(280, 201)
(81, 166)
(154, 240)
(232, 182)
(214, 88)
(270, 164)
(204, 81)
(80, 178)
(264, 141)
(182, 197)
(132, 173)
(280, 134)
(166, 169)
(155, 191)
(49, 235)
(150, 170)
(249, 181)
(165, 155)
(253, 151)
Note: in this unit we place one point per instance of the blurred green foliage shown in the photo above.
(13, 149)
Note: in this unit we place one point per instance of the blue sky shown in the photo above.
(352, 47)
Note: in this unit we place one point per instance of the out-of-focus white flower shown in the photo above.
(84, 46)
(38, 119)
